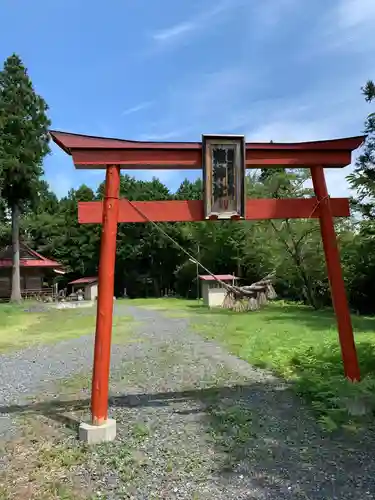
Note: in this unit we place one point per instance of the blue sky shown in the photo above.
(286, 70)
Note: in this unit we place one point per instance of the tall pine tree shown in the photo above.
(363, 177)
(23, 145)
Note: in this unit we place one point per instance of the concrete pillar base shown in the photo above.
(95, 434)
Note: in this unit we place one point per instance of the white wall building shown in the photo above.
(213, 292)
(88, 285)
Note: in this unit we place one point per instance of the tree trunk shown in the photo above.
(156, 286)
(295, 253)
(307, 288)
(16, 275)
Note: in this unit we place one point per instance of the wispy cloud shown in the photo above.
(174, 32)
(323, 114)
(355, 13)
(347, 25)
(261, 15)
(195, 25)
(304, 129)
(268, 13)
(139, 107)
(205, 103)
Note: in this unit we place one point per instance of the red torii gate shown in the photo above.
(91, 152)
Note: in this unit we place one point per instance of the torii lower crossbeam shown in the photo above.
(91, 212)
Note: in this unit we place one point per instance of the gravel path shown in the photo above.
(28, 372)
(197, 423)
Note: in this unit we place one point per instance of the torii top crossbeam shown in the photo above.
(89, 152)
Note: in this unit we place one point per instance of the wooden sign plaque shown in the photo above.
(224, 176)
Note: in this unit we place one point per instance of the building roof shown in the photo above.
(221, 277)
(28, 258)
(84, 281)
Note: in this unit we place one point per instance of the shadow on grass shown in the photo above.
(260, 436)
(323, 319)
(315, 320)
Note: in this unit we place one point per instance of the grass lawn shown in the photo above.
(297, 343)
(20, 328)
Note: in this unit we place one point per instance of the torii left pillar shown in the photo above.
(102, 428)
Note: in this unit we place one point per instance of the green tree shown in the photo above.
(267, 173)
(145, 259)
(77, 245)
(23, 145)
(54, 231)
(294, 243)
(359, 248)
(190, 190)
(363, 177)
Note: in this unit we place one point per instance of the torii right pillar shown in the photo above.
(336, 280)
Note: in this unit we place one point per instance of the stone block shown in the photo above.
(95, 434)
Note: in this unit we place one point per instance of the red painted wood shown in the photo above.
(332, 255)
(90, 212)
(68, 141)
(31, 263)
(97, 152)
(102, 352)
(175, 159)
(139, 158)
